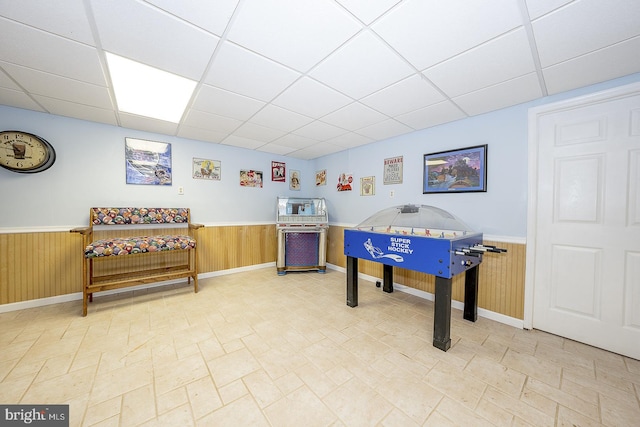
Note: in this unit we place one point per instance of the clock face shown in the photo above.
(24, 152)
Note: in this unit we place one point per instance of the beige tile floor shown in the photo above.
(257, 349)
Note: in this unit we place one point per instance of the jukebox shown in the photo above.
(301, 225)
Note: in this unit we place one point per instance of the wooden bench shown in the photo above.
(146, 248)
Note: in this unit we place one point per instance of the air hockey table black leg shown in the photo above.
(352, 281)
(387, 278)
(471, 294)
(442, 314)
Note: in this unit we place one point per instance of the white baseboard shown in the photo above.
(487, 314)
(4, 308)
(77, 296)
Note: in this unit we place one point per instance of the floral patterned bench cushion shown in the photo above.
(137, 245)
(125, 216)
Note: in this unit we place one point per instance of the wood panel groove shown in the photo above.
(40, 265)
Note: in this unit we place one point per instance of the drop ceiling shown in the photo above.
(307, 78)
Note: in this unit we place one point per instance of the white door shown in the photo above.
(584, 220)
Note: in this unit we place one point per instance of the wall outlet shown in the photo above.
(391, 193)
(181, 190)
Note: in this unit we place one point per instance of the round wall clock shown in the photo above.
(25, 152)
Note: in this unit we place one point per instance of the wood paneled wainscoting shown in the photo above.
(35, 265)
(39, 265)
(500, 285)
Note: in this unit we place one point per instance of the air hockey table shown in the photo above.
(425, 239)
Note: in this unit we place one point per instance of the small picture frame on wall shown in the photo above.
(368, 186)
(392, 173)
(278, 171)
(250, 178)
(321, 177)
(294, 180)
(456, 171)
(344, 182)
(147, 162)
(207, 169)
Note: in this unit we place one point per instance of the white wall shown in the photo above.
(501, 211)
(90, 171)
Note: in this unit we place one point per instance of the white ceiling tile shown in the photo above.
(258, 133)
(147, 124)
(298, 36)
(237, 141)
(366, 10)
(385, 129)
(594, 67)
(201, 134)
(313, 151)
(313, 72)
(239, 70)
(68, 19)
(139, 31)
(585, 26)
(278, 118)
(538, 8)
(350, 140)
(500, 59)
(362, 66)
(320, 131)
(53, 86)
(407, 95)
(275, 149)
(78, 111)
(426, 33)
(295, 141)
(297, 97)
(512, 92)
(353, 117)
(18, 99)
(36, 49)
(225, 103)
(203, 120)
(212, 16)
(433, 115)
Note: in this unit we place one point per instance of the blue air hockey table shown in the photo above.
(425, 239)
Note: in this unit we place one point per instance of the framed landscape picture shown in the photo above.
(148, 162)
(456, 171)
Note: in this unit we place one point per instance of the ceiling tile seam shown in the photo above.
(491, 86)
(573, 58)
(417, 71)
(42, 30)
(26, 92)
(200, 83)
(533, 46)
(183, 20)
(102, 58)
(302, 74)
(397, 5)
(306, 74)
(552, 11)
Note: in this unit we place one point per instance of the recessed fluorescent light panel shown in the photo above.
(147, 91)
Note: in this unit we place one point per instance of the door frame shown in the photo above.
(532, 187)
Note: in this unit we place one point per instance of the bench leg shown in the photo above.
(84, 284)
(195, 269)
(84, 302)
